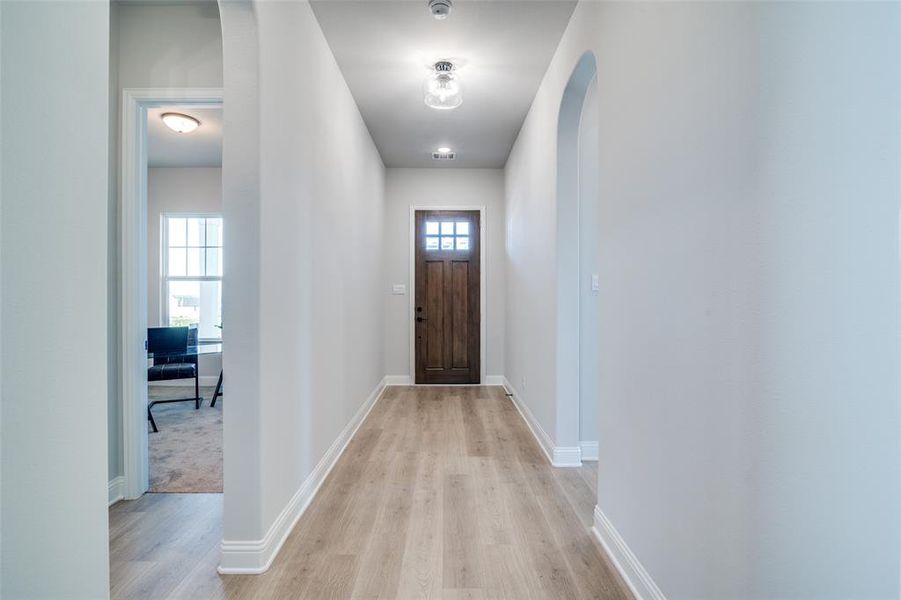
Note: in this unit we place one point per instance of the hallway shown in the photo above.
(442, 493)
(654, 246)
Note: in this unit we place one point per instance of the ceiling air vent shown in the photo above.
(448, 155)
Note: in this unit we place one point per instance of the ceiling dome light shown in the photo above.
(442, 90)
(180, 123)
(443, 150)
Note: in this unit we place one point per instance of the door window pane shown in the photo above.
(447, 228)
(431, 243)
(431, 228)
(462, 228)
(462, 243)
(447, 243)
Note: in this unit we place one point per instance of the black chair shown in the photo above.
(218, 391)
(169, 346)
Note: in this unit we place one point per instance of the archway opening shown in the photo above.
(577, 278)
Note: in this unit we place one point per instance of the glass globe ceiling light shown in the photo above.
(442, 90)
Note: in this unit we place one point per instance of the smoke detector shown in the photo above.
(440, 9)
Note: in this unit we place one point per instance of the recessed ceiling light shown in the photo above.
(444, 154)
(442, 90)
(180, 123)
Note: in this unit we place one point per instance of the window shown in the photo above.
(447, 235)
(192, 273)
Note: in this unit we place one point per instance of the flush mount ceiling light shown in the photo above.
(442, 90)
(440, 8)
(180, 123)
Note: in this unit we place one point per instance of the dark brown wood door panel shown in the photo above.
(446, 316)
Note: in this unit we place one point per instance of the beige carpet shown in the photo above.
(186, 453)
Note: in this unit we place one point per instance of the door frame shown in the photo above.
(483, 288)
(133, 268)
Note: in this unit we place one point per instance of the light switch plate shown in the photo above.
(595, 283)
(399, 289)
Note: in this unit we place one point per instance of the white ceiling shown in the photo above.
(502, 49)
(200, 148)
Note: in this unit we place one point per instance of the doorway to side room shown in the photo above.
(172, 245)
(185, 244)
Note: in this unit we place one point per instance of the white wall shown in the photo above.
(241, 208)
(151, 45)
(303, 208)
(169, 45)
(177, 190)
(829, 188)
(448, 188)
(54, 299)
(748, 184)
(113, 409)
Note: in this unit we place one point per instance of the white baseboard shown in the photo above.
(589, 450)
(558, 456)
(205, 381)
(625, 561)
(407, 380)
(116, 489)
(567, 456)
(544, 440)
(251, 557)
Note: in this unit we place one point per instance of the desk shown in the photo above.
(190, 351)
(198, 350)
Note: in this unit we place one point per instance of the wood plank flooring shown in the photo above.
(443, 493)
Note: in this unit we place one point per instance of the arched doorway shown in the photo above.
(577, 283)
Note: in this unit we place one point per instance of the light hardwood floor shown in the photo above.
(443, 493)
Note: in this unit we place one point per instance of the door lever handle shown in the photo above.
(420, 319)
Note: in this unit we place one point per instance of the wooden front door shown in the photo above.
(446, 314)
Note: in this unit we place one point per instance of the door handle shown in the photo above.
(420, 319)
